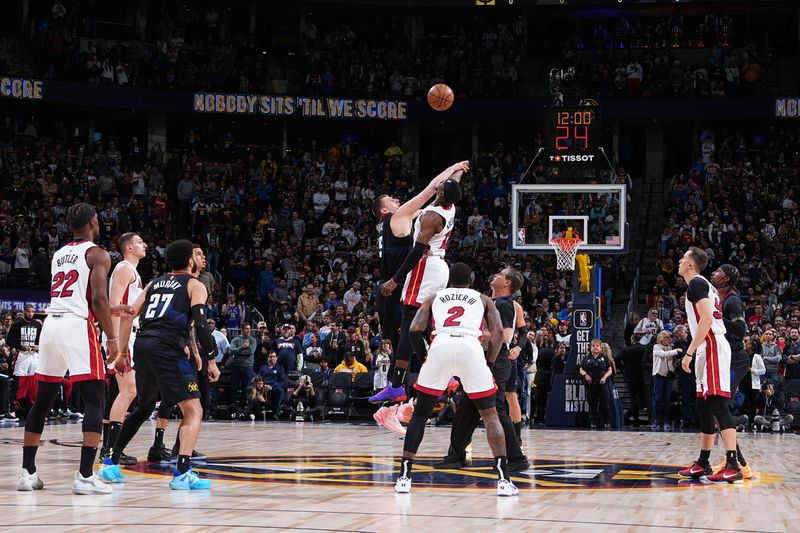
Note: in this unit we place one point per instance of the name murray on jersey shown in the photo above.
(166, 284)
(457, 297)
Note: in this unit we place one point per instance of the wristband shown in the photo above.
(111, 339)
(690, 354)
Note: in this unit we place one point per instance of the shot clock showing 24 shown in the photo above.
(572, 129)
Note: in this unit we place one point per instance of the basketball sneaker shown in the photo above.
(403, 485)
(28, 482)
(390, 394)
(89, 485)
(450, 463)
(404, 412)
(110, 473)
(188, 481)
(727, 475)
(159, 454)
(747, 472)
(387, 417)
(506, 488)
(696, 471)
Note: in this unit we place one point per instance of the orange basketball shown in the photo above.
(440, 97)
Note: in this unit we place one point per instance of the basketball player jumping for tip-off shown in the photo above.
(415, 261)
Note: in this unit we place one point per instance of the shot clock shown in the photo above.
(572, 129)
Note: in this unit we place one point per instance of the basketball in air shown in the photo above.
(440, 97)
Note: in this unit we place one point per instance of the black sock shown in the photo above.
(398, 377)
(405, 467)
(105, 434)
(500, 466)
(159, 438)
(730, 456)
(183, 463)
(113, 433)
(29, 458)
(518, 430)
(88, 454)
(740, 456)
(704, 457)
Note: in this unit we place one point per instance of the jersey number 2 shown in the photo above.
(158, 305)
(66, 279)
(453, 316)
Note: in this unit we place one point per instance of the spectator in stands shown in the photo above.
(648, 327)
(232, 314)
(313, 352)
(772, 354)
(333, 345)
(275, 382)
(791, 357)
(257, 399)
(350, 365)
(243, 350)
(306, 304)
(663, 374)
(289, 350)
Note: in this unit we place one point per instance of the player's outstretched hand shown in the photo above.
(388, 288)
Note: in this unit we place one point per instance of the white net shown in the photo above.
(566, 250)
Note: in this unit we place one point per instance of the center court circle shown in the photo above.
(366, 471)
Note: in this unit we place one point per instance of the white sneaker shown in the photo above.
(403, 485)
(89, 485)
(28, 481)
(506, 488)
(252, 416)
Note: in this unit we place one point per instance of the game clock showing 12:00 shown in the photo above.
(572, 130)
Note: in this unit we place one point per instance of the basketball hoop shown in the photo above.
(566, 248)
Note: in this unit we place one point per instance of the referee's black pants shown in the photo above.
(466, 417)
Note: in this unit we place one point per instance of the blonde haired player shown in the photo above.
(712, 369)
(125, 286)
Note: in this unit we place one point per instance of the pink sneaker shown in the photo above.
(404, 412)
(387, 417)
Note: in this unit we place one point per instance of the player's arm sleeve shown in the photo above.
(418, 343)
(522, 337)
(204, 335)
(733, 317)
(412, 259)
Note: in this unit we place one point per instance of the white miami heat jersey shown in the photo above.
(134, 288)
(458, 311)
(438, 243)
(70, 291)
(699, 288)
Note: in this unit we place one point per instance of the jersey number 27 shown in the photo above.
(158, 305)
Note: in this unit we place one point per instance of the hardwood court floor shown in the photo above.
(339, 477)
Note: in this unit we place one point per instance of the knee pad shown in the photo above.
(93, 393)
(46, 395)
(705, 416)
(719, 408)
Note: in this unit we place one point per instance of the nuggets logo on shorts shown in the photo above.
(192, 386)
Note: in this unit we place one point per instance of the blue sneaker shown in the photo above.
(110, 472)
(390, 394)
(188, 481)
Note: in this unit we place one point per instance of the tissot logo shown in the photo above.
(572, 158)
(380, 472)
